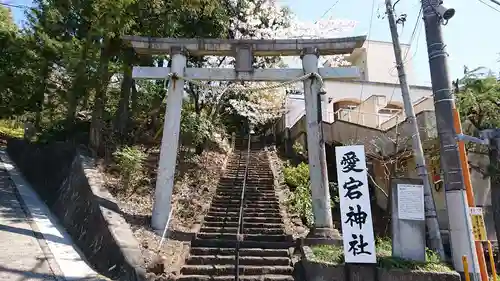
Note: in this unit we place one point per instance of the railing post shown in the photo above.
(233, 141)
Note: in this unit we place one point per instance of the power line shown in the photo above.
(495, 2)
(491, 7)
(363, 81)
(412, 37)
(15, 5)
(327, 11)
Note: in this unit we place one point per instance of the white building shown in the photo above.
(374, 99)
(370, 111)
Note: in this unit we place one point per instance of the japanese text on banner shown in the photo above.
(355, 209)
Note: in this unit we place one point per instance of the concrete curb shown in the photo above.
(63, 253)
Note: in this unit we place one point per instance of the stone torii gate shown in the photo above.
(244, 52)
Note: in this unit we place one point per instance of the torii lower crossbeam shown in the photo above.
(225, 74)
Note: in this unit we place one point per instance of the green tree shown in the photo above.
(478, 100)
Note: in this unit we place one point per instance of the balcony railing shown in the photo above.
(368, 119)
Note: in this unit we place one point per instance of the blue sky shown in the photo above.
(469, 35)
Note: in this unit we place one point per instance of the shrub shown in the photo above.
(300, 201)
(298, 148)
(11, 129)
(130, 161)
(296, 176)
(335, 255)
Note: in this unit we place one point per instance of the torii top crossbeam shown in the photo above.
(226, 47)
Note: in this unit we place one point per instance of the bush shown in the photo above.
(296, 176)
(298, 148)
(335, 255)
(130, 161)
(300, 201)
(11, 129)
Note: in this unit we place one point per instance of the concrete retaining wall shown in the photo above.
(74, 192)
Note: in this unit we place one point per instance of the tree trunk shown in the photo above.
(134, 102)
(96, 125)
(122, 115)
(40, 95)
(79, 86)
(156, 106)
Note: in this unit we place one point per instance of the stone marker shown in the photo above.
(408, 219)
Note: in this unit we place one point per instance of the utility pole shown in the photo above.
(460, 229)
(431, 220)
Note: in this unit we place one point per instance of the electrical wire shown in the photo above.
(15, 5)
(412, 38)
(495, 2)
(367, 48)
(491, 7)
(327, 11)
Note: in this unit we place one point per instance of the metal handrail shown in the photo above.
(240, 218)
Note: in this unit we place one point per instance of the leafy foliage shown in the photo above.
(300, 201)
(69, 71)
(298, 148)
(335, 255)
(11, 129)
(478, 99)
(130, 162)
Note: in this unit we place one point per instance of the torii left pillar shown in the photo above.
(169, 142)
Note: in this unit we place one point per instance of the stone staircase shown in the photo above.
(264, 252)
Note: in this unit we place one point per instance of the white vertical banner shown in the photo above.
(355, 207)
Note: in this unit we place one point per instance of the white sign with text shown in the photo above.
(411, 202)
(355, 207)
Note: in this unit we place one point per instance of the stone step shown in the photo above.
(236, 199)
(254, 175)
(254, 195)
(246, 237)
(248, 188)
(252, 167)
(238, 183)
(256, 188)
(251, 174)
(245, 224)
(246, 230)
(248, 205)
(227, 181)
(246, 214)
(230, 269)
(231, 278)
(229, 200)
(248, 194)
(245, 219)
(216, 243)
(246, 209)
(254, 252)
(243, 260)
(231, 191)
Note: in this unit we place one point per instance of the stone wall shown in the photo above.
(312, 270)
(74, 192)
